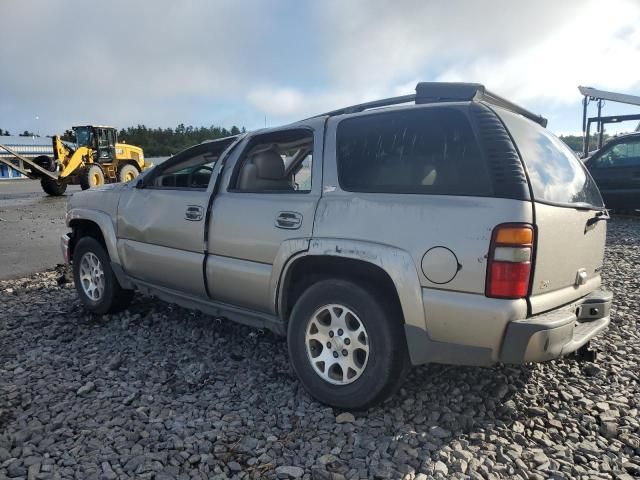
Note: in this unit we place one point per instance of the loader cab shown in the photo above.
(100, 139)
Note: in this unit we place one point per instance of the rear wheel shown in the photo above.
(91, 176)
(53, 187)
(345, 346)
(127, 172)
(96, 284)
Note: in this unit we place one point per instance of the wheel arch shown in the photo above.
(389, 270)
(129, 161)
(97, 225)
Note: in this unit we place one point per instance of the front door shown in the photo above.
(269, 196)
(161, 226)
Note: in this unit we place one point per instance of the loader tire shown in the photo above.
(91, 176)
(127, 172)
(45, 162)
(53, 187)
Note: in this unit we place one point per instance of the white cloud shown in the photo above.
(166, 62)
(597, 46)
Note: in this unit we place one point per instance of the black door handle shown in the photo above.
(289, 220)
(194, 213)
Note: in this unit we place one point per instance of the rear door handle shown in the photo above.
(289, 220)
(194, 213)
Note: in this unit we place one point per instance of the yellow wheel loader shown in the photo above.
(96, 158)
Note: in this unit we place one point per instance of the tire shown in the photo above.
(91, 176)
(89, 259)
(127, 172)
(53, 187)
(45, 162)
(381, 370)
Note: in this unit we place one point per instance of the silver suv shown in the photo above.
(446, 226)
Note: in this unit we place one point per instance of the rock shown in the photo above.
(517, 427)
(538, 411)
(86, 388)
(345, 417)
(439, 432)
(327, 459)
(540, 458)
(589, 448)
(592, 370)
(33, 471)
(16, 469)
(630, 441)
(440, 467)
(609, 429)
(234, 466)
(632, 468)
(115, 363)
(4, 455)
(289, 471)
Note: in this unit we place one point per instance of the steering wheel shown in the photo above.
(194, 171)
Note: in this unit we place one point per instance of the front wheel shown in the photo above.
(345, 346)
(91, 176)
(52, 187)
(96, 284)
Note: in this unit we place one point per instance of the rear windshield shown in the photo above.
(557, 176)
(428, 150)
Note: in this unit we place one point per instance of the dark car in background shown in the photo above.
(616, 170)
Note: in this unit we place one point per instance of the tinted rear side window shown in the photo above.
(556, 174)
(428, 150)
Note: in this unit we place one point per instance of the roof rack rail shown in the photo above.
(361, 107)
(434, 92)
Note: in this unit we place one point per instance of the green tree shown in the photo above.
(168, 141)
(68, 136)
(27, 133)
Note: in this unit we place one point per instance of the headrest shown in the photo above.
(269, 165)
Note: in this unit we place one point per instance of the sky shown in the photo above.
(253, 63)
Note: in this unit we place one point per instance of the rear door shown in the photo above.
(616, 170)
(569, 216)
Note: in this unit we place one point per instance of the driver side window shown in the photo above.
(193, 173)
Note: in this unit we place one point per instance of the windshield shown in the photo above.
(556, 174)
(84, 137)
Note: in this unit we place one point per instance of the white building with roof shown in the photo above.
(29, 147)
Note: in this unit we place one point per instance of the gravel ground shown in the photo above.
(31, 223)
(161, 392)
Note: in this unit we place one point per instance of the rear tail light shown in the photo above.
(509, 266)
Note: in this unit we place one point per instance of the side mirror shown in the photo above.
(140, 183)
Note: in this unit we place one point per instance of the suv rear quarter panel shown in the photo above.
(415, 223)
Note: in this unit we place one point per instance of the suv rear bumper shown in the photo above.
(557, 332)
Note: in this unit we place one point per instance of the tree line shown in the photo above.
(26, 133)
(159, 142)
(574, 142)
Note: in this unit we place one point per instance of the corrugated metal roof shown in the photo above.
(27, 146)
(16, 140)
